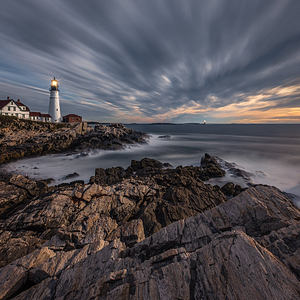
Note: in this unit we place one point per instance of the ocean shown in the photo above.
(270, 153)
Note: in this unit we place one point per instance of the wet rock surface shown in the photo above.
(235, 171)
(160, 172)
(164, 137)
(230, 189)
(71, 175)
(211, 166)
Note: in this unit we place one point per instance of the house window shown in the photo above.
(14, 109)
(8, 108)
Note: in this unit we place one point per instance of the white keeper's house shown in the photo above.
(10, 107)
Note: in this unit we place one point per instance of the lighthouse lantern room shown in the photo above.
(54, 106)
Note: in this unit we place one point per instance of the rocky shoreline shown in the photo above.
(149, 231)
(24, 138)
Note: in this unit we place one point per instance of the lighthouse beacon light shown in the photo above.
(54, 105)
(54, 83)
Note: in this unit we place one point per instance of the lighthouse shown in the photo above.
(54, 107)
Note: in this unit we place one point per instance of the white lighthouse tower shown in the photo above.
(54, 107)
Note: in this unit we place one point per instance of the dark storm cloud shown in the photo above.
(150, 60)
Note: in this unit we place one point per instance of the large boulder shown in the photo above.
(146, 163)
(211, 167)
(230, 189)
(109, 176)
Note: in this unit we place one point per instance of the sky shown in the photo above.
(223, 61)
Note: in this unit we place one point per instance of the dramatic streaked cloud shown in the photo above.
(155, 61)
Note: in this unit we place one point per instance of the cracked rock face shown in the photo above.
(71, 216)
(240, 249)
(147, 232)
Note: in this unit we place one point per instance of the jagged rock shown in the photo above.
(230, 189)
(112, 136)
(130, 233)
(149, 167)
(10, 197)
(207, 160)
(18, 189)
(77, 213)
(71, 175)
(146, 163)
(244, 248)
(235, 171)
(211, 167)
(147, 232)
(32, 187)
(17, 244)
(110, 175)
(22, 138)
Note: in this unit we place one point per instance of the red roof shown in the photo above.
(71, 115)
(45, 115)
(3, 103)
(34, 114)
(19, 103)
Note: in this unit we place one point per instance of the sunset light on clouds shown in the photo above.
(156, 61)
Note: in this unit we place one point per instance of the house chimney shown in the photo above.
(18, 100)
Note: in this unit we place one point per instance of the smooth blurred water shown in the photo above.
(270, 152)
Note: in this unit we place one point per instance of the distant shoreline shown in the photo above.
(208, 123)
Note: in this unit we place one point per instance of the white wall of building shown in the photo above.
(22, 112)
(54, 107)
(35, 118)
(12, 109)
(46, 119)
